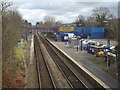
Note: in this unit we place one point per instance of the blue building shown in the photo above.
(92, 32)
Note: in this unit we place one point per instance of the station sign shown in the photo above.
(66, 29)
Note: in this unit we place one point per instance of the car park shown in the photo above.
(86, 42)
(105, 49)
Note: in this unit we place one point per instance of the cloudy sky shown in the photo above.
(63, 11)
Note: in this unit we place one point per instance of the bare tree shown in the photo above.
(58, 22)
(12, 30)
(40, 25)
(114, 27)
(90, 22)
(57, 25)
(49, 21)
(101, 14)
(80, 20)
(5, 5)
(37, 25)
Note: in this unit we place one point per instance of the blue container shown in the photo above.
(97, 35)
(94, 32)
(97, 29)
(90, 30)
(85, 30)
(78, 29)
(66, 32)
(78, 34)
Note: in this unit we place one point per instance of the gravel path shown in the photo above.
(31, 74)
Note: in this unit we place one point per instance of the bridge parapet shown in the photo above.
(41, 30)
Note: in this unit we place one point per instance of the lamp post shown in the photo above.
(81, 45)
(108, 36)
(78, 38)
(54, 27)
(108, 41)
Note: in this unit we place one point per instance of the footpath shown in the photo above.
(31, 74)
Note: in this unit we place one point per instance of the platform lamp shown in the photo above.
(81, 40)
(78, 38)
(108, 40)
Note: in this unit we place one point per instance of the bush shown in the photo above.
(24, 43)
(17, 53)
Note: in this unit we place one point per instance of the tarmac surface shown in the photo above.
(85, 59)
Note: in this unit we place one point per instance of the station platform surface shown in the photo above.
(84, 59)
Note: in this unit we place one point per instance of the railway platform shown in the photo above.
(84, 59)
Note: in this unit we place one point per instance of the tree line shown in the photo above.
(13, 26)
(100, 17)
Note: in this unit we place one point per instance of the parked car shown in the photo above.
(84, 44)
(71, 35)
(112, 47)
(94, 43)
(111, 53)
(91, 42)
(100, 53)
(83, 36)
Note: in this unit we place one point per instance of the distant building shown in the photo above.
(68, 25)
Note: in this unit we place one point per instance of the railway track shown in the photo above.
(45, 78)
(73, 78)
(48, 76)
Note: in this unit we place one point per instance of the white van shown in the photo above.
(71, 35)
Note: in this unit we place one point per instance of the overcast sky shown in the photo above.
(63, 11)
